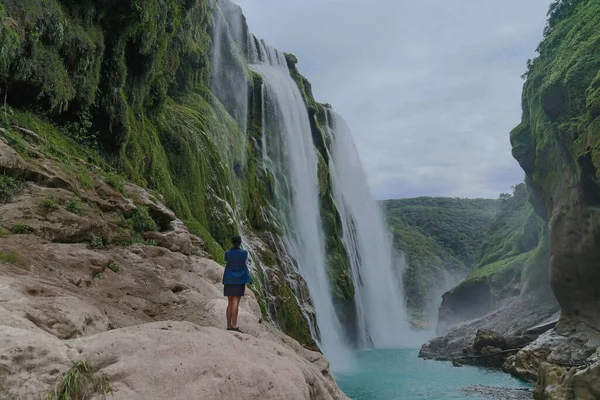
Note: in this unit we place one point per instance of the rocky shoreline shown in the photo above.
(560, 358)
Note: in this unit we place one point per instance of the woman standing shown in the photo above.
(235, 278)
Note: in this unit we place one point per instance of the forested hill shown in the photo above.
(440, 237)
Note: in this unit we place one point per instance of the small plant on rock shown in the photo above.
(114, 266)
(116, 182)
(9, 187)
(96, 242)
(141, 221)
(75, 206)
(99, 276)
(22, 229)
(85, 179)
(48, 205)
(79, 383)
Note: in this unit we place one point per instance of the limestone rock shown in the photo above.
(487, 338)
(176, 237)
(203, 363)
(161, 214)
(111, 322)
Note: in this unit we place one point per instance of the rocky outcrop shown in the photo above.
(557, 144)
(90, 277)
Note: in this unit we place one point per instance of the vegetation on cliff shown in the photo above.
(127, 88)
(440, 238)
(560, 130)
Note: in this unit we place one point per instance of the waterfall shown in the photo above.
(292, 152)
(229, 79)
(376, 270)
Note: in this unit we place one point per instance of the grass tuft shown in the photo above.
(80, 383)
(14, 258)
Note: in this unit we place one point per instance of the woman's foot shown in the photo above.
(236, 330)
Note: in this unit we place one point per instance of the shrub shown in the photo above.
(76, 206)
(48, 205)
(99, 276)
(21, 229)
(9, 187)
(96, 242)
(141, 221)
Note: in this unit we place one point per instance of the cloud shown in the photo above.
(430, 88)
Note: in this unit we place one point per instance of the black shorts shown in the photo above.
(234, 290)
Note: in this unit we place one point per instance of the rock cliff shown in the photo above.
(558, 146)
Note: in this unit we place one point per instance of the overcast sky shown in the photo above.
(430, 88)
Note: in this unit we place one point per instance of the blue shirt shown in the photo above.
(236, 270)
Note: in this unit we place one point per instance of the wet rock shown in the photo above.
(434, 348)
(495, 393)
(488, 338)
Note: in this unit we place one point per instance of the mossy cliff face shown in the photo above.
(514, 252)
(558, 146)
(131, 88)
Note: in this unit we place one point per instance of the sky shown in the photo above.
(430, 88)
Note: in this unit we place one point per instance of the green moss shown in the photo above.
(289, 315)
(561, 99)
(116, 182)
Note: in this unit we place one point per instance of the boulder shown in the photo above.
(488, 338)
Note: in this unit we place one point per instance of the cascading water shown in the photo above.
(229, 81)
(376, 270)
(296, 159)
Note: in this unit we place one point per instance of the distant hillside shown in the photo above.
(513, 243)
(440, 237)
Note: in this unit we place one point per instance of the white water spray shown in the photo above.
(297, 159)
(376, 269)
(229, 80)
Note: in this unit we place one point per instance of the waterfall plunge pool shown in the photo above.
(398, 374)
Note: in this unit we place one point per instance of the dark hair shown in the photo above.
(236, 241)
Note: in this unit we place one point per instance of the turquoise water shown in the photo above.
(401, 375)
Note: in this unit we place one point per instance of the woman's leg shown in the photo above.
(235, 305)
(229, 308)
